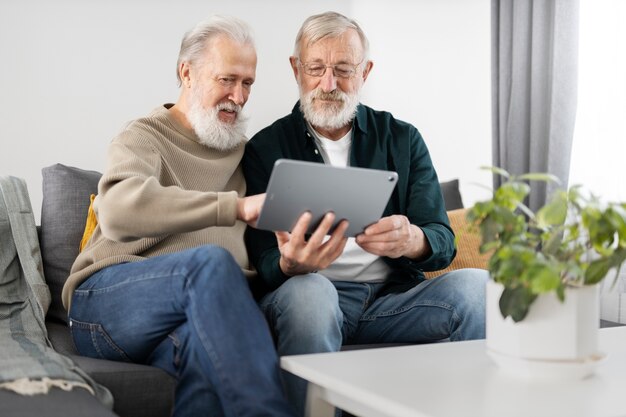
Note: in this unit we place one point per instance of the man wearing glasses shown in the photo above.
(325, 292)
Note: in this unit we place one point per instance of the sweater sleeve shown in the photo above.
(133, 203)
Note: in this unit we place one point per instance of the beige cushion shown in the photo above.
(468, 244)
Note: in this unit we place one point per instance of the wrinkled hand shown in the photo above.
(249, 208)
(300, 256)
(394, 236)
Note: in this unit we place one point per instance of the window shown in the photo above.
(599, 148)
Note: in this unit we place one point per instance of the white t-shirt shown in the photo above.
(354, 264)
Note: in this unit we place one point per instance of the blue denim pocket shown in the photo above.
(92, 340)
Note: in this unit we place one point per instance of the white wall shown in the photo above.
(73, 72)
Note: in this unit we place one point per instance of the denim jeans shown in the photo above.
(310, 314)
(192, 314)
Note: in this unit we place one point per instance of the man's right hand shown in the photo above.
(249, 208)
(301, 256)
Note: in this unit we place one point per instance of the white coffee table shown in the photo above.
(455, 379)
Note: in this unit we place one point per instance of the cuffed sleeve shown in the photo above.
(226, 208)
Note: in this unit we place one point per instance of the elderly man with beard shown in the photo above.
(329, 291)
(162, 280)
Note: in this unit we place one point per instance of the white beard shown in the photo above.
(335, 116)
(213, 132)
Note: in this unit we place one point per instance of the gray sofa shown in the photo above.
(138, 390)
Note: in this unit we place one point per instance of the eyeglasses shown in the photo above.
(317, 69)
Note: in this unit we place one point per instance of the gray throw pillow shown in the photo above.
(451, 194)
(66, 192)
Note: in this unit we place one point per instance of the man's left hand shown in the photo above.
(394, 236)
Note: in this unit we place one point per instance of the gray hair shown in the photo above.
(328, 24)
(195, 40)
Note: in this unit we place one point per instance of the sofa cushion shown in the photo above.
(138, 390)
(56, 403)
(467, 245)
(451, 194)
(66, 192)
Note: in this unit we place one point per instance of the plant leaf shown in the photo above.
(542, 278)
(539, 176)
(515, 302)
(552, 244)
(510, 194)
(554, 213)
(597, 270)
(497, 170)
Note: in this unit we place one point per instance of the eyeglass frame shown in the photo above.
(304, 65)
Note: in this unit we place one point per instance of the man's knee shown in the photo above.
(307, 304)
(464, 289)
(212, 253)
(469, 281)
(214, 266)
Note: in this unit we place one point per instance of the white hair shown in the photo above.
(328, 24)
(194, 41)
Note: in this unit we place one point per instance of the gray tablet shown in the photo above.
(356, 194)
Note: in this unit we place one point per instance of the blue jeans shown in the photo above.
(310, 314)
(192, 314)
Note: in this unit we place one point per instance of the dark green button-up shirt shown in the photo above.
(378, 141)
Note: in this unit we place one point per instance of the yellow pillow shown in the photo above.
(468, 244)
(90, 224)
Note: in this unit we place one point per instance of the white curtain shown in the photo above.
(600, 133)
(534, 79)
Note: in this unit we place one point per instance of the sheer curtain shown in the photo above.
(599, 150)
(534, 64)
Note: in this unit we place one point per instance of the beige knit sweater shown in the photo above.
(162, 192)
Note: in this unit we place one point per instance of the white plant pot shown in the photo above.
(555, 339)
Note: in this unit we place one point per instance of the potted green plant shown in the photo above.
(545, 266)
